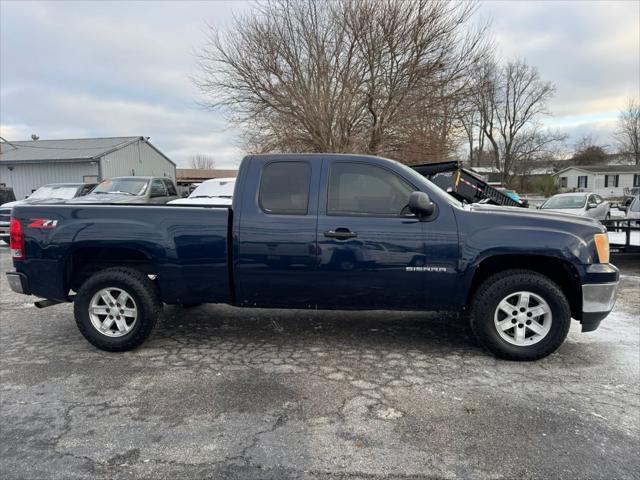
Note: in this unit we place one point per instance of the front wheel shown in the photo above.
(520, 315)
(116, 309)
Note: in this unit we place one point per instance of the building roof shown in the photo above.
(200, 174)
(74, 149)
(603, 169)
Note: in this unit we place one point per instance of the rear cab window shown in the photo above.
(284, 188)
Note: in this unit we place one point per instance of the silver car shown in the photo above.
(585, 204)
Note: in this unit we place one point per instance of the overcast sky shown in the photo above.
(98, 69)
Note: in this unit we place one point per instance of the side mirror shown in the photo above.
(591, 205)
(421, 205)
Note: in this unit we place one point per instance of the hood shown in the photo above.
(568, 211)
(202, 201)
(536, 214)
(107, 198)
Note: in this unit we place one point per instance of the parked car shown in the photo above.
(584, 204)
(217, 191)
(6, 194)
(632, 211)
(131, 190)
(520, 275)
(52, 193)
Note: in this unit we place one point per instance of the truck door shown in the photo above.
(371, 248)
(277, 232)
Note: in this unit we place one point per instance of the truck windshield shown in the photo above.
(63, 192)
(129, 186)
(570, 201)
(217, 188)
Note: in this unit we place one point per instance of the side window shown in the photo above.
(361, 189)
(170, 187)
(635, 206)
(157, 189)
(284, 188)
(86, 189)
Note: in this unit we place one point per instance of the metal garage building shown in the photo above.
(27, 165)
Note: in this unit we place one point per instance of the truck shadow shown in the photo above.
(388, 330)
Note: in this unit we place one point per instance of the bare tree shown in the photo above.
(588, 152)
(512, 99)
(627, 133)
(348, 75)
(202, 161)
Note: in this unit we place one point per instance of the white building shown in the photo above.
(605, 180)
(27, 165)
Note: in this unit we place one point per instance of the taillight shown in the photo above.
(16, 239)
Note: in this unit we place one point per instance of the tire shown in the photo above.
(492, 325)
(142, 309)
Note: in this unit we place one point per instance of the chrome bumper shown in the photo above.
(599, 297)
(18, 282)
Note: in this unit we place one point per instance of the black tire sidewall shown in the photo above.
(143, 293)
(497, 288)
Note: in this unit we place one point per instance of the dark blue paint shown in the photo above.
(287, 261)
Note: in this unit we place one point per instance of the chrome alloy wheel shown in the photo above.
(113, 312)
(522, 318)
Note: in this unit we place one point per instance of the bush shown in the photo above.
(546, 185)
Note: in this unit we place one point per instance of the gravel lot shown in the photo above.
(227, 393)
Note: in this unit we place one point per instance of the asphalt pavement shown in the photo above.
(221, 392)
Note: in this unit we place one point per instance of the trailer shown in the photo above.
(464, 185)
(624, 235)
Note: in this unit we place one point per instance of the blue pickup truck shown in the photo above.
(320, 231)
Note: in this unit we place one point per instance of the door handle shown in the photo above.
(340, 234)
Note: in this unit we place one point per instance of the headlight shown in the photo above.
(602, 247)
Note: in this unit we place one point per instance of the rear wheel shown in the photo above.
(116, 309)
(520, 315)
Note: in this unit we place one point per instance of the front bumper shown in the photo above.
(598, 297)
(18, 282)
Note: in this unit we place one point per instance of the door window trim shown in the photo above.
(366, 215)
(285, 212)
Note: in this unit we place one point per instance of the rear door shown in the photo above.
(276, 237)
(372, 252)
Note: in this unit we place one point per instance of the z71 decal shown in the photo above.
(42, 223)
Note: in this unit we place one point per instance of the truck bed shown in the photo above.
(185, 247)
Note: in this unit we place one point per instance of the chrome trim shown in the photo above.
(15, 282)
(599, 297)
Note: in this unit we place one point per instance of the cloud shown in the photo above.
(122, 68)
(75, 69)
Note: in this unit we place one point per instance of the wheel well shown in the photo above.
(84, 262)
(559, 271)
